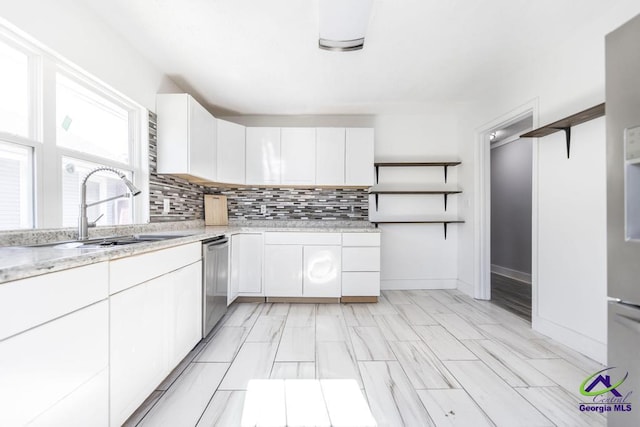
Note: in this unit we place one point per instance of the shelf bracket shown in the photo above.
(445, 201)
(375, 196)
(445, 230)
(445, 175)
(377, 172)
(567, 134)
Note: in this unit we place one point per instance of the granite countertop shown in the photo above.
(19, 262)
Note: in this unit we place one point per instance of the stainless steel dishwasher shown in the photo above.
(215, 279)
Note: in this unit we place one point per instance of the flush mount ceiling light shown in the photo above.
(343, 24)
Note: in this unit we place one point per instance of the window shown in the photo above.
(14, 87)
(48, 146)
(90, 123)
(15, 186)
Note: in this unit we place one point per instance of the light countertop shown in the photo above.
(19, 262)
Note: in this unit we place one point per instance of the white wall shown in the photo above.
(72, 30)
(413, 256)
(569, 220)
(416, 256)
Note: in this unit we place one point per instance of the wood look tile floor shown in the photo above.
(512, 295)
(421, 358)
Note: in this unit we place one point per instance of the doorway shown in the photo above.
(511, 159)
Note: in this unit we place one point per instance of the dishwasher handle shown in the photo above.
(218, 240)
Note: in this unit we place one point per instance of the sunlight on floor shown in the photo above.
(306, 402)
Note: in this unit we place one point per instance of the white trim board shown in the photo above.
(465, 287)
(596, 350)
(402, 284)
(510, 273)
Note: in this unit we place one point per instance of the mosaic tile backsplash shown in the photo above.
(245, 203)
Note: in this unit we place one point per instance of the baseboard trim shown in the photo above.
(512, 274)
(250, 299)
(596, 350)
(358, 299)
(402, 284)
(465, 287)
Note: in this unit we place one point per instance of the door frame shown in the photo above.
(482, 213)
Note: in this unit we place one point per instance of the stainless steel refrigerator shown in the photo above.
(623, 219)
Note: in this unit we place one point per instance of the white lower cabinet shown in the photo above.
(321, 271)
(360, 264)
(283, 270)
(246, 266)
(56, 366)
(302, 265)
(153, 325)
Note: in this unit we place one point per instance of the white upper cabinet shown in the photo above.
(186, 138)
(359, 156)
(330, 143)
(231, 152)
(263, 156)
(298, 156)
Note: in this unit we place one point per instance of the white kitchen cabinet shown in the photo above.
(359, 156)
(283, 270)
(45, 365)
(298, 156)
(360, 264)
(330, 156)
(231, 152)
(246, 266)
(35, 300)
(187, 138)
(321, 271)
(302, 264)
(262, 165)
(153, 325)
(185, 311)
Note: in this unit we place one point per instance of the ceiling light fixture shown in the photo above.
(343, 24)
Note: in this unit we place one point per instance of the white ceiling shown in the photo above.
(261, 56)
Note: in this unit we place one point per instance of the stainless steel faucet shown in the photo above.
(83, 222)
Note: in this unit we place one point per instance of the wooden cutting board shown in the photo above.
(215, 210)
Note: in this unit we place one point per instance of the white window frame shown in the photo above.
(47, 155)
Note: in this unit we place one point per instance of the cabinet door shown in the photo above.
(231, 152)
(202, 142)
(322, 271)
(359, 156)
(366, 283)
(185, 306)
(330, 156)
(39, 368)
(298, 156)
(246, 265)
(283, 270)
(139, 345)
(263, 156)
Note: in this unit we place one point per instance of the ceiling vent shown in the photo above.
(343, 24)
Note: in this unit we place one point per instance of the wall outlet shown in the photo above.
(166, 206)
(263, 209)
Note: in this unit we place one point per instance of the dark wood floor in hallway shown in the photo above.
(512, 295)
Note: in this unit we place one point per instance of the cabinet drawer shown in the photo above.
(361, 259)
(43, 365)
(360, 239)
(295, 238)
(360, 284)
(127, 272)
(30, 302)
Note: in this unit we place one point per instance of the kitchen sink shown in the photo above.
(108, 242)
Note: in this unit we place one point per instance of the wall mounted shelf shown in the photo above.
(432, 163)
(445, 190)
(417, 220)
(566, 124)
(413, 189)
